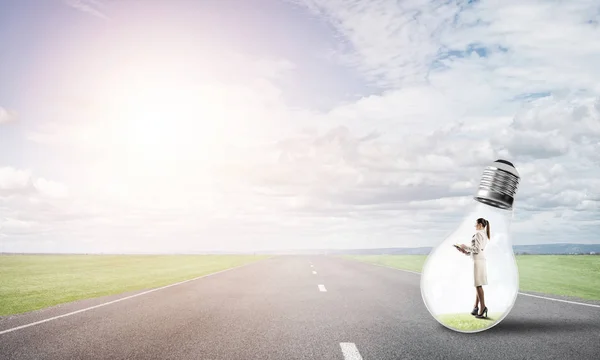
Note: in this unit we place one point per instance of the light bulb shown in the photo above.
(448, 279)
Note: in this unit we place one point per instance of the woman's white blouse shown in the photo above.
(478, 243)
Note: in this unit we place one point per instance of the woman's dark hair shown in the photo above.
(486, 225)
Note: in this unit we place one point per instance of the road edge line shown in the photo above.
(123, 299)
(520, 293)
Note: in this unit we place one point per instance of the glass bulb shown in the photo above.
(448, 279)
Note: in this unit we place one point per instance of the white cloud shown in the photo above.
(461, 85)
(359, 184)
(393, 43)
(15, 225)
(92, 7)
(270, 68)
(21, 183)
(474, 65)
(12, 179)
(50, 189)
(529, 45)
(7, 116)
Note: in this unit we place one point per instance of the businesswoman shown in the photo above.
(476, 250)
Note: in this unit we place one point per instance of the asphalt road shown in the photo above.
(275, 309)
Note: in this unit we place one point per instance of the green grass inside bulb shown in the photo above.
(468, 322)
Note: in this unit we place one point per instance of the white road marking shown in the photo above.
(391, 267)
(314, 272)
(322, 288)
(311, 265)
(350, 351)
(116, 301)
(520, 293)
(565, 301)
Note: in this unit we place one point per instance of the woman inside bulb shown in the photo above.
(478, 243)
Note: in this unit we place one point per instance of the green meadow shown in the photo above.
(566, 275)
(468, 322)
(32, 282)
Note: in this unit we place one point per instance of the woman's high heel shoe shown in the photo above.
(475, 311)
(484, 311)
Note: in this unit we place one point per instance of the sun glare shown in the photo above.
(163, 119)
(151, 121)
(160, 126)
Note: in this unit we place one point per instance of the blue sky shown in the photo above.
(262, 124)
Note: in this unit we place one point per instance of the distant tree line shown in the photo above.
(571, 253)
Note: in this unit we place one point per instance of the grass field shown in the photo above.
(568, 275)
(34, 282)
(468, 322)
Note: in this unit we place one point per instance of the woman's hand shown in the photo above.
(460, 249)
(463, 249)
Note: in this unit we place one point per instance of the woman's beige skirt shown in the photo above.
(480, 271)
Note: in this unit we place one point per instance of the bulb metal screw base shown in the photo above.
(498, 185)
